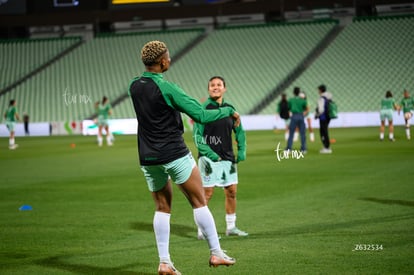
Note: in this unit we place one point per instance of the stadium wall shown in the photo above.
(254, 122)
(250, 122)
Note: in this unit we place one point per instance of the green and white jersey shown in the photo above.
(407, 104)
(11, 114)
(214, 139)
(387, 103)
(158, 104)
(103, 111)
(297, 105)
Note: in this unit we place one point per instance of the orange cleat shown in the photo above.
(221, 259)
(167, 269)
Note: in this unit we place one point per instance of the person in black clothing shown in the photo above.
(284, 113)
(26, 124)
(163, 155)
(322, 114)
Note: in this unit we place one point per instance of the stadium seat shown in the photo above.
(368, 58)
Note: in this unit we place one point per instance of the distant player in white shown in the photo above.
(407, 104)
(387, 107)
(104, 110)
(11, 116)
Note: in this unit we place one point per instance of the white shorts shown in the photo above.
(11, 125)
(220, 173)
(178, 170)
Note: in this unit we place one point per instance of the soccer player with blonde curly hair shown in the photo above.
(163, 155)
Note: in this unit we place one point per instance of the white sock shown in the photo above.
(286, 135)
(100, 140)
(312, 137)
(407, 132)
(161, 225)
(108, 139)
(295, 136)
(231, 221)
(205, 221)
(381, 135)
(391, 136)
(11, 141)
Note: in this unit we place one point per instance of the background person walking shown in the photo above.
(407, 105)
(324, 119)
(298, 107)
(104, 110)
(387, 107)
(12, 116)
(284, 113)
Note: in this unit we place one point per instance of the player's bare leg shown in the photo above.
(194, 192)
(231, 204)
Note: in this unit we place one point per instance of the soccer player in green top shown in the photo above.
(217, 162)
(104, 110)
(11, 116)
(387, 107)
(163, 155)
(407, 104)
(299, 108)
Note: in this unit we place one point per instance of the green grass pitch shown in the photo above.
(351, 212)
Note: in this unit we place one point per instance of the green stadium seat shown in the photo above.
(368, 58)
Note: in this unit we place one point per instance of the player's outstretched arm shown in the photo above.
(178, 99)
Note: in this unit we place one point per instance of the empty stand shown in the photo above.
(368, 58)
(253, 60)
(21, 57)
(105, 65)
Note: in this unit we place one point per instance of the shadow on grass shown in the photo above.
(176, 229)
(14, 256)
(58, 262)
(385, 201)
(327, 227)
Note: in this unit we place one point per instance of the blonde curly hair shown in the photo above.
(152, 51)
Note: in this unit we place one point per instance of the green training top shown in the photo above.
(214, 139)
(407, 104)
(387, 103)
(11, 113)
(103, 110)
(297, 105)
(158, 104)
